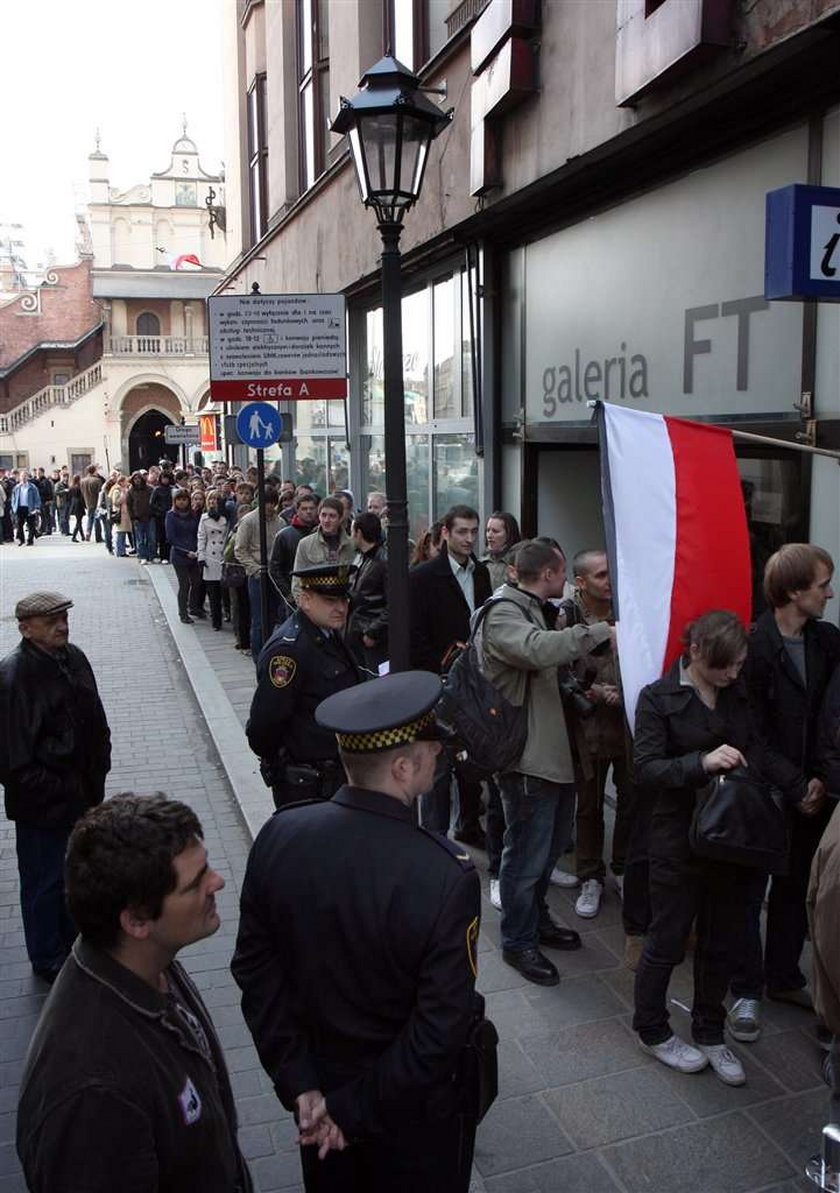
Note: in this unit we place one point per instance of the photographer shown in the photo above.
(599, 735)
(521, 653)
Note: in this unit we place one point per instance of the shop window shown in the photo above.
(373, 401)
(313, 87)
(375, 469)
(455, 473)
(257, 159)
(415, 29)
(417, 463)
(775, 504)
(339, 462)
(445, 387)
(415, 335)
(311, 463)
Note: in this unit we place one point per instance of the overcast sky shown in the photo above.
(126, 67)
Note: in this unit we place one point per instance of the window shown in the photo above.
(79, 461)
(60, 378)
(415, 29)
(313, 87)
(148, 324)
(257, 159)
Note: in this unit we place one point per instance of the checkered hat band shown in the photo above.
(339, 581)
(385, 739)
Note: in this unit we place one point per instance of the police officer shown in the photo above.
(304, 661)
(356, 956)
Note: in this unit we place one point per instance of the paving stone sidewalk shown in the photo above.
(580, 1107)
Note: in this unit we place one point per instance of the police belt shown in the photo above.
(309, 775)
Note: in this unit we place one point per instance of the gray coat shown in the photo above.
(521, 656)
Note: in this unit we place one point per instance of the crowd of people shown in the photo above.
(329, 882)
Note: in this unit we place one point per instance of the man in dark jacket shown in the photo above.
(443, 595)
(138, 501)
(159, 507)
(281, 563)
(125, 1085)
(367, 626)
(792, 655)
(55, 751)
(357, 963)
(46, 490)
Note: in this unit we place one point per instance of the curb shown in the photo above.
(252, 796)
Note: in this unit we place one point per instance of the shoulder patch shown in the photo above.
(281, 670)
(472, 946)
(455, 850)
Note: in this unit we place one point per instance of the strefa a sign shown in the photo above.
(280, 347)
(802, 257)
(658, 303)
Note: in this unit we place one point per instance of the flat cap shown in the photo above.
(328, 578)
(41, 604)
(384, 713)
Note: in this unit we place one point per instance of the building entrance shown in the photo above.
(146, 443)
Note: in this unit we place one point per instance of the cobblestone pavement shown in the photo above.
(580, 1107)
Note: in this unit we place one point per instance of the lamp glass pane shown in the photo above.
(359, 162)
(379, 139)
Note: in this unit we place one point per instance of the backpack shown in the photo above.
(490, 733)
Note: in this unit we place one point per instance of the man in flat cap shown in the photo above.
(357, 959)
(55, 751)
(304, 661)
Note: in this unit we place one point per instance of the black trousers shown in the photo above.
(25, 522)
(714, 894)
(495, 822)
(189, 574)
(589, 820)
(160, 536)
(787, 918)
(635, 903)
(433, 1157)
(213, 588)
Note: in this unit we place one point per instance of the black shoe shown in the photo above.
(227, 617)
(186, 620)
(199, 613)
(46, 975)
(471, 834)
(533, 966)
(552, 936)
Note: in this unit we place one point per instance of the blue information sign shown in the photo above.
(259, 424)
(802, 243)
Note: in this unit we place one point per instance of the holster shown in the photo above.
(478, 1071)
(309, 780)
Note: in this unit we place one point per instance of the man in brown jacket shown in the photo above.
(91, 483)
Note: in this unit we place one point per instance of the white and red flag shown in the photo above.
(677, 535)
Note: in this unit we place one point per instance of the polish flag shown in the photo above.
(185, 261)
(677, 536)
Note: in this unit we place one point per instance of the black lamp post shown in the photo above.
(390, 125)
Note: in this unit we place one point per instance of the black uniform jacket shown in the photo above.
(356, 956)
(298, 668)
(787, 712)
(674, 729)
(117, 1095)
(55, 745)
(440, 614)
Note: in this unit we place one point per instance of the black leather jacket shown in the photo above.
(55, 745)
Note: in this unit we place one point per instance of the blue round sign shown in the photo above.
(258, 424)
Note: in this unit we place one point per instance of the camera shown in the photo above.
(573, 695)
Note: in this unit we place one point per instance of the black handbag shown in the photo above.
(233, 575)
(742, 820)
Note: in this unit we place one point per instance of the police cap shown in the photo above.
(330, 579)
(41, 604)
(391, 711)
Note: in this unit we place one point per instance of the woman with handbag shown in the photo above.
(692, 725)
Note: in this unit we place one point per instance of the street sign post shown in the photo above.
(281, 347)
(182, 435)
(258, 425)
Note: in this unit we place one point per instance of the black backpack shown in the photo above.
(489, 732)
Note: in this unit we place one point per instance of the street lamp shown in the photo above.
(390, 125)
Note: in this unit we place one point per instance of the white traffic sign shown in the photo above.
(186, 434)
(277, 347)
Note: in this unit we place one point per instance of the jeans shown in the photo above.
(47, 523)
(144, 540)
(64, 518)
(256, 614)
(120, 536)
(47, 927)
(160, 536)
(25, 522)
(538, 816)
(589, 822)
(92, 523)
(681, 891)
(495, 828)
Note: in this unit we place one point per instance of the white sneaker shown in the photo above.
(676, 1054)
(563, 878)
(589, 900)
(725, 1063)
(744, 1020)
(495, 894)
(618, 884)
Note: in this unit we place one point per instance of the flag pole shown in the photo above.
(748, 436)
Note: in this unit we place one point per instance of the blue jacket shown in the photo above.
(26, 495)
(182, 536)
